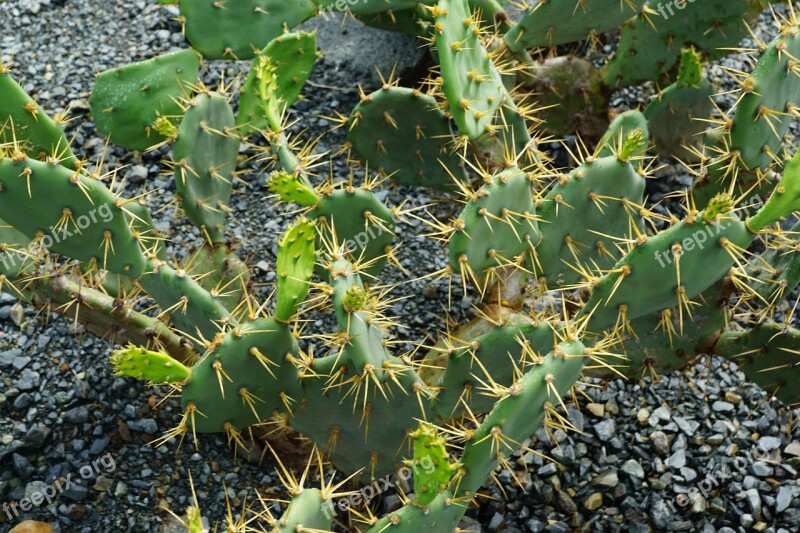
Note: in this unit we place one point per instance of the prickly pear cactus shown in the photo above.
(565, 266)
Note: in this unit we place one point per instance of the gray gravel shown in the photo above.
(642, 444)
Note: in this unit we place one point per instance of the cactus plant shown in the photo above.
(525, 228)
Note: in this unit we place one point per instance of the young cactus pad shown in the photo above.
(276, 77)
(294, 267)
(155, 367)
(290, 188)
(431, 463)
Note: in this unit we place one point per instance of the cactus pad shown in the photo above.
(69, 214)
(403, 134)
(650, 44)
(294, 267)
(194, 310)
(280, 70)
(497, 225)
(488, 360)
(571, 96)
(764, 113)
(769, 355)
(472, 84)
(245, 378)
(705, 249)
(360, 222)
(154, 367)
(237, 30)
(127, 101)
(206, 151)
(555, 22)
(22, 120)
(584, 215)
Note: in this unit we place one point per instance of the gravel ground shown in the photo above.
(642, 444)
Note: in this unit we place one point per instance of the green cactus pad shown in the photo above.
(658, 344)
(555, 22)
(703, 261)
(205, 153)
(346, 213)
(472, 84)
(24, 121)
(280, 70)
(773, 87)
(769, 355)
(403, 134)
(762, 118)
(521, 413)
(496, 226)
(619, 130)
(15, 258)
(491, 358)
(431, 464)
(778, 268)
(154, 367)
(219, 271)
(412, 21)
(193, 309)
(294, 267)
(290, 188)
(584, 215)
(676, 117)
(71, 214)
(650, 45)
(250, 366)
(360, 427)
(237, 30)
(127, 101)
(571, 96)
(308, 511)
